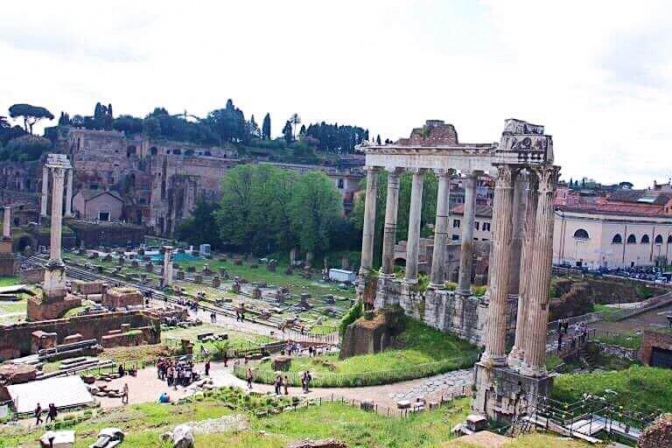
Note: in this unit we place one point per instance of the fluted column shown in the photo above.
(527, 252)
(58, 176)
(7, 223)
(45, 191)
(414, 217)
(441, 230)
(467, 243)
(68, 195)
(391, 212)
(369, 229)
(167, 266)
(540, 275)
(519, 196)
(498, 284)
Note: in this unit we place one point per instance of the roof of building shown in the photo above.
(91, 194)
(484, 211)
(611, 208)
(640, 196)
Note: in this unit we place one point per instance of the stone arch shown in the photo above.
(153, 151)
(659, 239)
(23, 242)
(632, 239)
(669, 239)
(581, 234)
(131, 150)
(645, 239)
(617, 239)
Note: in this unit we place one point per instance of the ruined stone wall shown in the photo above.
(652, 339)
(15, 340)
(107, 234)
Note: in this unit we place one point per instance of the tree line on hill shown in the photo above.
(265, 209)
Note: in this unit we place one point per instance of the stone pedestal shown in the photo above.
(503, 393)
(54, 282)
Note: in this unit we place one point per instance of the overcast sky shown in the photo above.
(597, 74)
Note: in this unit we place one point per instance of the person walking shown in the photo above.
(560, 342)
(249, 378)
(38, 414)
(286, 384)
(225, 357)
(51, 413)
(124, 394)
(207, 367)
(278, 384)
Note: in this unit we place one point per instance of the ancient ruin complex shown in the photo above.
(526, 179)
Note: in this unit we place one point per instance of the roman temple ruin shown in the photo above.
(520, 254)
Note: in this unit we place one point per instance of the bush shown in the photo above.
(354, 313)
(479, 291)
(450, 286)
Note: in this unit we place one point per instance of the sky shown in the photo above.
(597, 74)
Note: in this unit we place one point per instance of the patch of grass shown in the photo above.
(537, 440)
(552, 362)
(627, 340)
(10, 281)
(640, 388)
(417, 349)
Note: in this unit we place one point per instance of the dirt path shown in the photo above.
(653, 319)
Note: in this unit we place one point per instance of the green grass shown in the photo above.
(627, 340)
(606, 310)
(418, 347)
(9, 281)
(637, 388)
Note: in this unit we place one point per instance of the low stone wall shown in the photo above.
(629, 354)
(15, 340)
(651, 339)
(39, 310)
(32, 275)
(112, 234)
(136, 336)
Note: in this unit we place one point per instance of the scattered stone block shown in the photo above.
(179, 275)
(198, 278)
(281, 363)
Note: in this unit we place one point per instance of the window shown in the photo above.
(581, 234)
(617, 239)
(153, 151)
(645, 239)
(131, 151)
(486, 227)
(456, 223)
(103, 216)
(659, 239)
(340, 184)
(177, 152)
(669, 239)
(477, 224)
(632, 239)
(455, 237)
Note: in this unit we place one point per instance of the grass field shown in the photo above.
(637, 388)
(417, 345)
(359, 429)
(627, 340)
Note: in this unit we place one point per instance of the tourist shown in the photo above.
(225, 357)
(249, 378)
(124, 394)
(169, 378)
(560, 341)
(237, 316)
(207, 368)
(176, 377)
(278, 384)
(120, 370)
(309, 378)
(51, 413)
(38, 414)
(164, 398)
(286, 384)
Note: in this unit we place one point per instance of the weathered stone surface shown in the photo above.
(372, 336)
(658, 434)
(17, 373)
(328, 443)
(651, 340)
(122, 297)
(282, 363)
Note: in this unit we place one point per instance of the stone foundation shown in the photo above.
(41, 309)
(652, 339)
(130, 338)
(122, 297)
(9, 264)
(368, 336)
(502, 393)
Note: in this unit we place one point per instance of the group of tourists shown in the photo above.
(281, 382)
(52, 412)
(176, 373)
(297, 349)
(579, 334)
(240, 316)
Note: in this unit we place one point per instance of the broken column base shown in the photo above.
(388, 291)
(39, 308)
(54, 286)
(502, 393)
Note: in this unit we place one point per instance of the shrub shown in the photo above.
(450, 286)
(354, 313)
(479, 290)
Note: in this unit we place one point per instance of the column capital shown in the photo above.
(505, 176)
(547, 178)
(394, 171)
(415, 171)
(372, 168)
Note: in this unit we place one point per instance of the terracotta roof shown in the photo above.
(611, 208)
(484, 211)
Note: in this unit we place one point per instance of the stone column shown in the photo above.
(414, 217)
(7, 223)
(391, 212)
(441, 230)
(498, 281)
(58, 176)
(167, 266)
(540, 275)
(369, 230)
(45, 191)
(519, 196)
(68, 195)
(467, 244)
(532, 196)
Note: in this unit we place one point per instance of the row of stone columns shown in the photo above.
(529, 352)
(438, 274)
(45, 193)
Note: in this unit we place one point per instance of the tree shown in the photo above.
(378, 139)
(253, 128)
(314, 207)
(152, 127)
(287, 132)
(295, 119)
(27, 148)
(266, 128)
(201, 227)
(128, 124)
(302, 131)
(64, 119)
(30, 114)
(229, 123)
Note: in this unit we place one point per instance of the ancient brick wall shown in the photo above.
(107, 234)
(39, 310)
(15, 340)
(651, 339)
